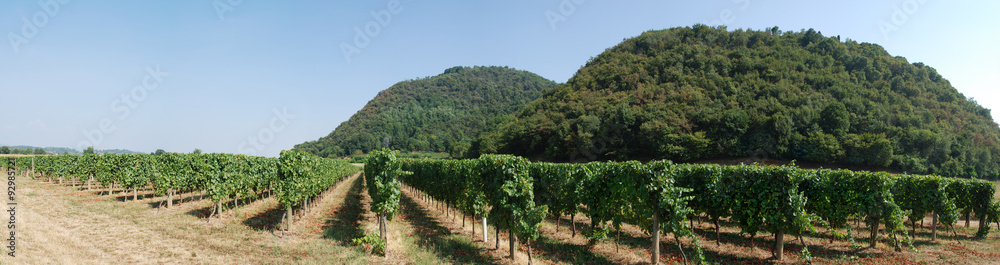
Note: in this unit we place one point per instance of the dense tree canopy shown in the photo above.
(443, 113)
(694, 93)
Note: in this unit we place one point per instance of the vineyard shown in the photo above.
(662, 197)
(294, 178)
(516, 196)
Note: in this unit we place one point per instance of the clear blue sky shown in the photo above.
(224, 70)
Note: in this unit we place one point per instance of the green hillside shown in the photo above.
(697, 93)
(443, 113)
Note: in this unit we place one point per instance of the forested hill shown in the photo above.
(443, 113)
(696, 93)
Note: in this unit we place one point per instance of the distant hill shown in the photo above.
(67, 150)
(443, 113)
(117, 151)
(701, 93)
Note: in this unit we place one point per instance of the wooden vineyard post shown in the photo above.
(513, 241)
(873, 239)
(572, 221)
(382, 223)
(967, 218)
(655, 258)
(933, 227)
(983, 221)
(779, 244)
(170, 198)
(288, 223)
(484, 230)
(528, 242)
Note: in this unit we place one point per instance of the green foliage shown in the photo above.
(559, 186)
(820, 147)
(439, 114)
(172, 171)
(807, 257)
(381, 172)
(509, 189)
(129, 170)
(869, 149)
(766, 198)
(230, 175)
(372, 241)
(441, 178)
(834, 119)
(693, 93)
(302, 176)
(704, 188)
(921, 195)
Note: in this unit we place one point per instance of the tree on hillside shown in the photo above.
(39, 151)
(4, 150)
(834, 119)
(159, 152)
(196, 151)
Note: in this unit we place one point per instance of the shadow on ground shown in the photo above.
(345, 222)
(438, 238)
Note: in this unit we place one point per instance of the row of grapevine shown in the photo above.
(519, 194)
(453, 182)
(777, 199)
(302, 176)
(224, 177)
(509, 190)
(382, 170)
(947, 198)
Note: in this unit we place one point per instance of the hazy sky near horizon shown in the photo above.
(257, 77)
